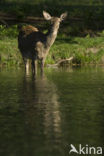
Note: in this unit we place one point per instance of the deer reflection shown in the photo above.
(42, 105)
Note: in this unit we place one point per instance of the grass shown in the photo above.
(85, 50)
(9, 53)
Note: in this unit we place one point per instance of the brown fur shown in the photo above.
(29, 29)
(34, 44)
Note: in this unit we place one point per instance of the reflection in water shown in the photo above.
(44, 99)
(43, 116)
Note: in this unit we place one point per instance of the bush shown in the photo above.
(8, 31)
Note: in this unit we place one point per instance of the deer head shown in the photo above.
(55, 20)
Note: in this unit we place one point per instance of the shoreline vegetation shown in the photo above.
(82, 50)
(80, 37)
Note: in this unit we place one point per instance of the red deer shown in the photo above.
(35, 45)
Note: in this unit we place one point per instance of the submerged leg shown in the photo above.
(34, 67)
(42, 65)
(26, 61)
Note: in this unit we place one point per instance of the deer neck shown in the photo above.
(51, 36)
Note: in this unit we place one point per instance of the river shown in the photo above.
(42, 116)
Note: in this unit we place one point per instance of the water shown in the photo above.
(43, 116)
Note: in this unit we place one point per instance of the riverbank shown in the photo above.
(84, 50)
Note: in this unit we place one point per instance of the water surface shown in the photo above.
(43, 116)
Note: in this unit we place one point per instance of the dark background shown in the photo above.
(84, 16)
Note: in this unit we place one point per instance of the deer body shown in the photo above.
(35, 45)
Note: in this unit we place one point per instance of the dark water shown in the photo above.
(43, 116)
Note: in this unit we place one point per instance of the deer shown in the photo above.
(35, 45)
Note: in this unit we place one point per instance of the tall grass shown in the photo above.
(9, 53)
(85, 50)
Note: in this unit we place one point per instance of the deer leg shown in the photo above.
(34, 67)
(42, 65)
(26, 62)
(27, 66)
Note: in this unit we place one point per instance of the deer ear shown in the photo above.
(63, 16)
(46, 15)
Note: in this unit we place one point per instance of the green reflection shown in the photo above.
(43, 116)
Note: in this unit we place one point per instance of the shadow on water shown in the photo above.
(43, 116)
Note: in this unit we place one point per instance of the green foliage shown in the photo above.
(82, 14)
(8, 31)
(9, 53)
(83, 49)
